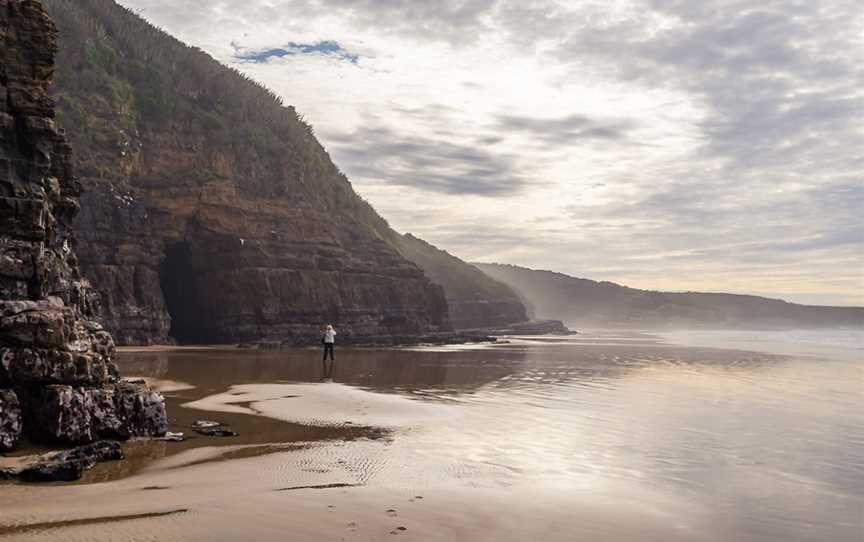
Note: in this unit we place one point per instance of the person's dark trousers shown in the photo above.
(328, 347)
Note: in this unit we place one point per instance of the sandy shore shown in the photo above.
(346, 483)
(308, 495)
(597, 438)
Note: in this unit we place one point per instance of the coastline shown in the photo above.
(385, 446)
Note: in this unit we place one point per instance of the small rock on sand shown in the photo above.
(203, 424)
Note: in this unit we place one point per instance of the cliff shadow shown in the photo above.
(177, 280)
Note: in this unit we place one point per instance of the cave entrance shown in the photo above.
(177, 279)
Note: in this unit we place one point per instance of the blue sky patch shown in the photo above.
(326, 47)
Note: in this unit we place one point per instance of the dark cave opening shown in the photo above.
(178, 279)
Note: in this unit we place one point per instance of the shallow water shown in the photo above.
(707, 443)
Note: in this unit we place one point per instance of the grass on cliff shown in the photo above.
(123, 84)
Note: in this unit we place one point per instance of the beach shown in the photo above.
(600, 436)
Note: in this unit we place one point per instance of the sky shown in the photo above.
(662, 144)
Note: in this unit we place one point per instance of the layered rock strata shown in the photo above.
(57, 381)
(474, 300)
(212, 213)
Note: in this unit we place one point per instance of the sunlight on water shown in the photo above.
(751, 443)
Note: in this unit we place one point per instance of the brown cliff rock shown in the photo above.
(55, 359)
(212, 214)
(474, 299)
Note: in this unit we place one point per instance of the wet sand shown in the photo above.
(599, 437)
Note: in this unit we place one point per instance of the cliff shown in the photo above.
(211, 212)
(57, 381)
(474, 299)
(587, 303)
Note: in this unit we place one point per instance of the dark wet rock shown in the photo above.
(216, 432)
(105, 419)
(205, 424)
(60, 414)
(53, 366)
(69, 465)
(53, 353)
(65, 414)
(10, 420)
(141, 409)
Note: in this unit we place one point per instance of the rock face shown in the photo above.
(474, 299)
(57, 382)
(10, 419)
(211, 213)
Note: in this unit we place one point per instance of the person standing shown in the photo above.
(328, 339)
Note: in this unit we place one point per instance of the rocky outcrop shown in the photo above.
(212, 214)
(57, 381)
(536, 327)
(474, 299)
(69, 465)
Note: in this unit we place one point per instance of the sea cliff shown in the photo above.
(212, 213)
(58, 383)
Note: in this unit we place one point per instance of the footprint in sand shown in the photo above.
(392, 513)
(399, 529)
(352, 526)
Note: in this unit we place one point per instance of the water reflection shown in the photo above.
(760, 446)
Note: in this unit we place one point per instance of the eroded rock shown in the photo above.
(69, 465)
(141, 409)
(10, 420)
(57, 381)
(128, 408)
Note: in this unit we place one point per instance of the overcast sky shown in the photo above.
(677, 145)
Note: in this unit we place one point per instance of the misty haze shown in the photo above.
(474, 270)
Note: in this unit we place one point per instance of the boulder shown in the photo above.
(141, 409)
(68, 415)
(69, 465)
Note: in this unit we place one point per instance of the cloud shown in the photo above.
(380, 154)
(779, 78)
(453, 21)
(668, 144)
(326, 48)
(569, 129)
